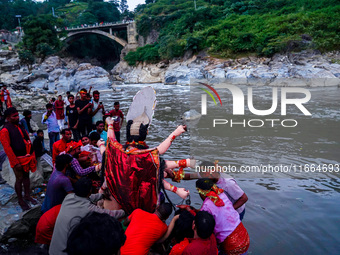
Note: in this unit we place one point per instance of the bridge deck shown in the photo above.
(115, 25)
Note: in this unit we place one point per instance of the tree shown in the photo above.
(41, 29)
(123, 6)
(26, 58)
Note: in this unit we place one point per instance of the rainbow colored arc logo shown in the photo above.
(209, 93)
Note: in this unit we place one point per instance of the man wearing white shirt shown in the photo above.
(97, 109)
(67, 103)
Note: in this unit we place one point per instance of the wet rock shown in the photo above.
(17, 223)
(10, 65)
(182, 75)
(216, 73)
(6, 193)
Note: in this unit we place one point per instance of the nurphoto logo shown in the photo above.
(238, 105)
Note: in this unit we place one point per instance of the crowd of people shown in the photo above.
(107, 197)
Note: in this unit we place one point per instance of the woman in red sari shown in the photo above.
(134, 172)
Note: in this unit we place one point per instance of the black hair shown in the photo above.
(26, 113)
(88, 94)
(53, 99)
(84, 136)
(205, 224)
(9, 111)
(40, 131)
(49, 105)
(183, 226)
(94, 136)
(83, 90)
(70, 95)
(96, 233)
(116, 103)
(204, 183)
(61, 161)
(64, 130)
(143, 131)
(68, 92)
(96, 92)
(165, 210)
(83, 187)
(99, 122)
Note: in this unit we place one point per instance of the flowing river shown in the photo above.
(295, 211)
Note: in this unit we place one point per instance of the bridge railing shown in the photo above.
(104, 24)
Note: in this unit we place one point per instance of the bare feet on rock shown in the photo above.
(32, 200)
(24, 206)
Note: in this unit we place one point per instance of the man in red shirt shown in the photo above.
(204, 241)
(20, 153)
(61, 145)
(59, 110)
(45, 227)
(118, 121)
(145, 229)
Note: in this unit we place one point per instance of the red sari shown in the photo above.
(132, 176)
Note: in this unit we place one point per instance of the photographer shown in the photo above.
(50, 118)
(97, 109)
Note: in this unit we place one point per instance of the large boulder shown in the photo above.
(88, 75)
(51, 63)
(182, 74)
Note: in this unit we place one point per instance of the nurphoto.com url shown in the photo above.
(270, 168)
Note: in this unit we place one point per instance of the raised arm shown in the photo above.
(181, 192)
(110, 131)
(164, 146)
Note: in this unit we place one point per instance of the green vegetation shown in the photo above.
(41, 37)
(81, 13)
(227, 28)
(224, 28)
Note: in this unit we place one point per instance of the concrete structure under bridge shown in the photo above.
(106, 29)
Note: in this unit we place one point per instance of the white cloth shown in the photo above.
(99, 115)
(232, 190)
(66, 101)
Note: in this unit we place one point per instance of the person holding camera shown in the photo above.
(53, 129)
(97, 109)
(84, 108)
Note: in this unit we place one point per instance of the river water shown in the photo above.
(287, 212)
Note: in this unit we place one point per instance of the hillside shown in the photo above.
(229, 28)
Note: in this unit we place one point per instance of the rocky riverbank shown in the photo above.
(32, 89)
(314, 68)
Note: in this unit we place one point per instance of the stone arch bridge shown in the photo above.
(106, 29)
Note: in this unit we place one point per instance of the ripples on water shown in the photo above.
(287, 213)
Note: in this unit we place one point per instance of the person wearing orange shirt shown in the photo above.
(61, 145)
(145, 229)
(5, 97)
(20, 153)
